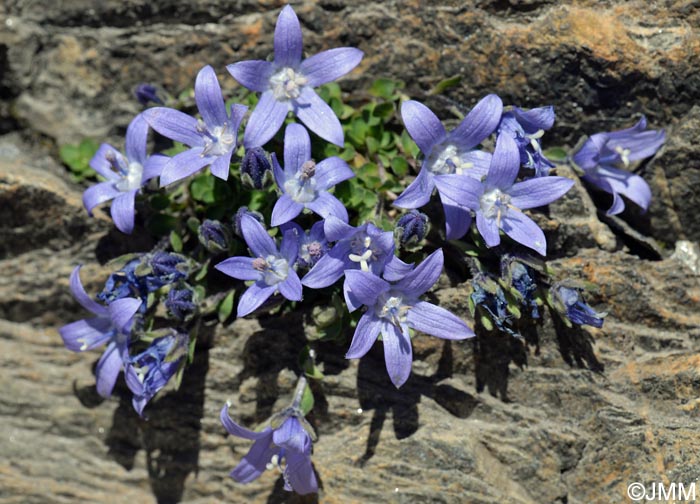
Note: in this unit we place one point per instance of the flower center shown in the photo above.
(132, 177)
(363, 250)
(445, 160)
(302, 188)
(311, 252)
(217, 140)
(286, 84)
(624, 155)
(390, 306)
(494, 204)
(274, 269)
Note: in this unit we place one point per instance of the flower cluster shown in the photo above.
(218, 233)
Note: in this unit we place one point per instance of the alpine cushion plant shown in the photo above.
(125, 174)
(527, 127)
(393, 308)
(212, 139)
(271, 269)
(498, 200)
(603, 152)
(289, 441)
(287, 84)
(448, 153)
(111, 325)
(304, 183)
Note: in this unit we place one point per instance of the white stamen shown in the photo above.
(624, 155)
(132, 178)
(287, 83)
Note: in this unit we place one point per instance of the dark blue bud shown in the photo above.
(214, 235)
(239, 215)
(147, 93)
(254, 167)
(575, 308)
(166, 268)
(412, 227)
(180, 303)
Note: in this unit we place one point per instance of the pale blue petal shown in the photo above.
(86, 334)
(253, 74)
(318, 117)
(291, 287)
(479, 123)
(82, 297)
(122, 311)
(423, 125)
(183, 165)
(288, 40)
(398, 353)
(329, 65)
(437, 321)
(327, 205)
(365, 286)
(424, 276)
(239, 267)
(505, 164)
(236, 430)
(418, 193)
(99, 193)
(174, 124)
(332, 171)
(253, 297)
(297, 148)
(107, 370)
(122, 211)
(488, 228)
(210, 101)
(523, 230)
(265, 121)
(366, 334)
(536, 192)
(136, 138)
(285, 210)
(257, 239)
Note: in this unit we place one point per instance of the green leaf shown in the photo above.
(445, 84)
(162, 224)
(202, 188)
(77, 158)
(159, 202)
(383, 88)
(307, 401)
(226, 307)
(556, 154)
(486, 322)
(383, 110)
(175, 241)
(399, 166)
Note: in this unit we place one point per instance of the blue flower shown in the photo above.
(125, 174)
(289, 441)
(287, 84)
(526, 128)
(365, 247)
(305, 183)
(498, 200)
(112, 325)
(393, 308)
(448, 153)
(211, 139)
(271, 269)
(312, 245)
(602, 152)
(149, 371)
(569, 304)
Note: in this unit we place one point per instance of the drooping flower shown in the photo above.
(522, 278)
(365, 247)
(448, 153)
(312, 245)
(305, 183)
(125, 174)
(111, 325)
(212, 139)
(149, 371)
(287, 84)
(271, 269)
(498, 200)
(603, 154)
(289, 440)
(570, 305)
(526, 128)
(488, 295)
(256, 168)
(393, 308)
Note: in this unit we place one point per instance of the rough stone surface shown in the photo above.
(568, 418)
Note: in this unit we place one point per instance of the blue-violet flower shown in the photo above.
(526, 128)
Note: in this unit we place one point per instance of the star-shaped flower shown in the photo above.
(602, 152)
(212, 139)
(448, 153)
(498, 200)
(287, 84)
(305, 183)
(125, 174)
(527, 127)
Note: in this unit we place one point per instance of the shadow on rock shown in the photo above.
(376, 392)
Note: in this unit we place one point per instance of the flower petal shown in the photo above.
(365, 286)
(122, 311)
(329, 65)
(336, 229)
(505, 163)
(398, 353)
(174, 124)
(82, 297)
(424, 276)
(395, 269)
(136, 138)
(221, 167)
(123, 211)
(86, 334)
(291, 287)
(329, 268)
(533, 120)
(297, 148)
(457, 219)
(488, 228)
(253, 74)
(207, 95)
(423, 125)
(255, 236)
(536, 192)
(99, 162)
(255, 461)
(300, 474)
(253, 297)
(285, 210)
(366, 334)
(437, 321)
(479, 123)
(332, 171)
(523, 230)
(183, 165)
(623, 182)
(460, 190)
(153, 167)
(288, 40)
(291, 436)
(265, 121)
(318, 116)
(418, 192)
(236, 430)
(107, 370)
(99, 193)
(239, 267)
(326, 205)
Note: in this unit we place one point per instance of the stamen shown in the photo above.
(260, 264)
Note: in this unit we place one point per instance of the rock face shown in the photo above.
(568, 419)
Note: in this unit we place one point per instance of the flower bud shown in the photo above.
(180, 303)
(239, 215)
(256, 169)
(214, 235)
(147, 93)
(412, 227)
